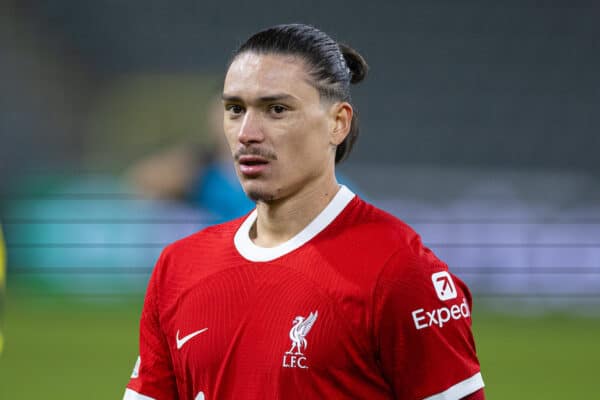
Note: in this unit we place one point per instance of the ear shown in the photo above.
(341, 120)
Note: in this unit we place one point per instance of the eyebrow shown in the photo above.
(263, 99)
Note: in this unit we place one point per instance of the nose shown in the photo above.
(251, 129)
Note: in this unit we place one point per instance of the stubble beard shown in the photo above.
(260, 196)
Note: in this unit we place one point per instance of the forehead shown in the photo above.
(251, 75)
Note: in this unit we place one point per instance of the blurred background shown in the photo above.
(479, 127)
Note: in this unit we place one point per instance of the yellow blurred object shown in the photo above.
(2, 260)
(2, 283)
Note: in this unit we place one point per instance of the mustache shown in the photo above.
(255, 151)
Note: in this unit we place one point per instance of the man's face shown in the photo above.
(276, 125)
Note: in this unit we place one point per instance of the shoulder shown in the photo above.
(207, 237)
(197, 254)
(371, 218)
(379, 233)
(368, 246)
(405, 262)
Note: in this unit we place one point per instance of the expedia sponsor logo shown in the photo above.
(444, 285)
(441, 316)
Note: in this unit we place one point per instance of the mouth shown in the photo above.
(251, 165)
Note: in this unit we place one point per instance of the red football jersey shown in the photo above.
(353, 307)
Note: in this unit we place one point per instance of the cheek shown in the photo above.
(307, 143)
(314, 136)
(230, 134)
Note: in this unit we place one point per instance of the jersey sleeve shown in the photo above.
(153, 376)
(422, 329)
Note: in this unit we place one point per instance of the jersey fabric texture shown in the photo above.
(353, 307)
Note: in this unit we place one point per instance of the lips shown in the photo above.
(252, 165)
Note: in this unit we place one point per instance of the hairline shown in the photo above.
(323, 97)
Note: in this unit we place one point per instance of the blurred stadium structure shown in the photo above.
(479, 128)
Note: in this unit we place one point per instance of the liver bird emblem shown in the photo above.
(301, 327)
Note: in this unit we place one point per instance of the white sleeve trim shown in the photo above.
(461, 389)
(133, 395)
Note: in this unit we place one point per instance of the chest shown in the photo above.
(270, 327)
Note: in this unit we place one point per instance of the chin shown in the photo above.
(261, 196)
(257, 193)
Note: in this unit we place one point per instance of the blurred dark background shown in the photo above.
(462, 83)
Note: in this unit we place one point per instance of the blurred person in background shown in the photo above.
(202, 177)
(316, 293)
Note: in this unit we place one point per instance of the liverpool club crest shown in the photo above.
(294, 357)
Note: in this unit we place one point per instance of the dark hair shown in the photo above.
(332, 66)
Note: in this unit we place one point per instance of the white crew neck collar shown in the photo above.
(250, 251)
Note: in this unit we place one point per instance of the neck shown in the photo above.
(281, 220)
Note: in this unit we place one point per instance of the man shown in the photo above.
(315, 294)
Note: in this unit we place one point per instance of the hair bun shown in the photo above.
(356, 63)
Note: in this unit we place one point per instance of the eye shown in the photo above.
(234, 108)
(277, 108)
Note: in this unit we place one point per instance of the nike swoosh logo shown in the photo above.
(183, 340)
